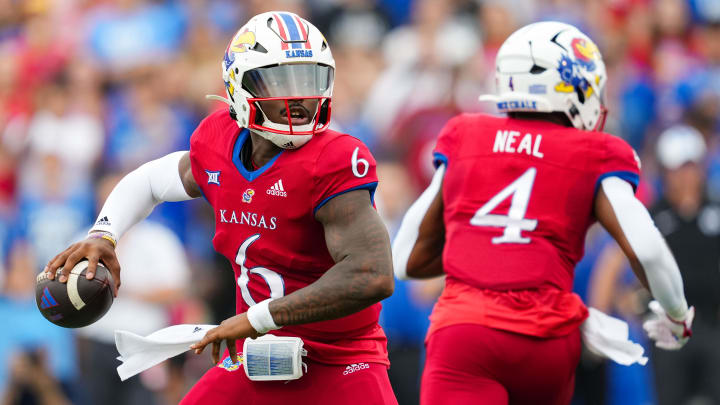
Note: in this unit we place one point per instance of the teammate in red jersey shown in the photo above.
(505, 219)
(293, 213)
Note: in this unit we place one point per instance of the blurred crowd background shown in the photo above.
(90, 89)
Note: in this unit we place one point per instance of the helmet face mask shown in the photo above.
(317, 119)
(551, 67)
(279, 59)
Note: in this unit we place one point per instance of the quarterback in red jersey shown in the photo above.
(293, 204)
(505, 219)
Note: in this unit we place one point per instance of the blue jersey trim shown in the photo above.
(370, 187)
(630, 177)
(247, 174)
(439, 158)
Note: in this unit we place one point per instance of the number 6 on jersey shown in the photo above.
(514, 222)
(273, 279)
(355, 162)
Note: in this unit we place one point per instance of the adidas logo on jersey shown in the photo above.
(277, 189)
(355, 367)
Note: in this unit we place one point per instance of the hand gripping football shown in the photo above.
(78, 302)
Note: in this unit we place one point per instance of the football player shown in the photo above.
(294, 214)
(505, 219)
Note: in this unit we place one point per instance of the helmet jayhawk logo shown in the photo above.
(242, 41)
(586, 52)
(571, 78)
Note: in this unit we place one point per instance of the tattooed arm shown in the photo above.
(362, 275)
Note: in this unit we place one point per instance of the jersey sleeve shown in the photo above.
(345, 164)
(443, 151)
(618, 159)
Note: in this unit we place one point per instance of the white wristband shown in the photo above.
(260, 317)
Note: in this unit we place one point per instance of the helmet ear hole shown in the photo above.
(259, 48)
(536, 70)
(573, 112)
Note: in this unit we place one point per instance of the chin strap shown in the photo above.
(218, 98)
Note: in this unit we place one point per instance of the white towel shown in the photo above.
(140, 353)
(608, 337)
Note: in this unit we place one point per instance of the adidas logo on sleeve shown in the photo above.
(277, 189)
(103, 221)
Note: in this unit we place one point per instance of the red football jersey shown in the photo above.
(265, 225)
(518, 199)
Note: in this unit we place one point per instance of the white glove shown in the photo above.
(668, 333)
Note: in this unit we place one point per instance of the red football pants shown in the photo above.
(362, 383)
(473, 364)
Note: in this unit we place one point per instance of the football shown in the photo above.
(77, 303)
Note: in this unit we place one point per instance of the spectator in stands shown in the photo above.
(76, 137)
(691, 225)
(32, 383)
(52, 206)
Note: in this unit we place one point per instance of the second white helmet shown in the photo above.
(551, 67)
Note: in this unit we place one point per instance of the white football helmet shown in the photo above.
(551, 67)
(278, 56)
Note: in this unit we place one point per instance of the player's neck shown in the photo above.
(261, 150)
(554, 118)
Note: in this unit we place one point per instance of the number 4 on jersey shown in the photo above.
(514, 222)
